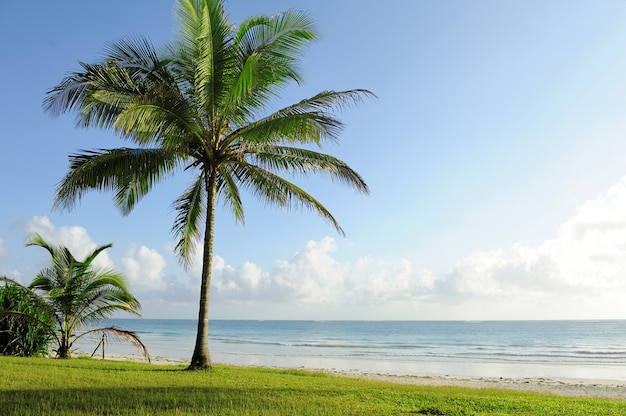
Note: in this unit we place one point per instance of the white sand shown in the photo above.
(564, 387)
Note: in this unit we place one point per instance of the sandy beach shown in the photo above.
(612, 389)
(564, 387)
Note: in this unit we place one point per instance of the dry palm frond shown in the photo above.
(121, 335)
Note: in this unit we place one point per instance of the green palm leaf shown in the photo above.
(190, 209)
(131, 173)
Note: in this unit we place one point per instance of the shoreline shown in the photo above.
(570, 387)
(609, 389)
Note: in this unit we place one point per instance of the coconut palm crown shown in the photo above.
(199, 106)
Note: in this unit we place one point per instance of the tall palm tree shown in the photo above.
(73, 294)
(198, 107)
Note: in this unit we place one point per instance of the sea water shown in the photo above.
(518, 349)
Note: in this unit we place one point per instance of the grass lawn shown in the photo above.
(38, 386)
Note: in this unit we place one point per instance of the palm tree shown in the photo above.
(75, 294)
(199, 107)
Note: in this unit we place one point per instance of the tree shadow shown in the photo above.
(162, 400)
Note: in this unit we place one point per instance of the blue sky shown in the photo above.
(495, 153)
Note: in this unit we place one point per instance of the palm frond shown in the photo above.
(228, 189)
(101, 310)
(308, 121)
(190, 208)
(68, 94)
(130, 80)
(283, 34)
(156, 108)
(92, 256)
(276, 190)
(99, 93)
(306, 162)
(268, 50)
(129, 172)
(137, 54)
(121, 335)
(102, 293)
(203, 52)
(37, 240)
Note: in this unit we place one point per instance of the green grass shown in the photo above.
(31, 386)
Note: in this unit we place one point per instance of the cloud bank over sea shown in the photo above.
(570, 275)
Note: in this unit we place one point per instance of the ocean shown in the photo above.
(508, 349)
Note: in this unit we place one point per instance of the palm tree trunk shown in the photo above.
(64, 350)
(201, 360)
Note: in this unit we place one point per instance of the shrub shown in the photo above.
(25, 330)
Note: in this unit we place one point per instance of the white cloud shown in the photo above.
(580, 273)
(232, 282)
(75, 238)
(587, 258)
(313, 276)
(396, 284)
(144, 268)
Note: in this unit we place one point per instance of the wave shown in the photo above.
(577, 342)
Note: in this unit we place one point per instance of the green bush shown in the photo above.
(23, 331)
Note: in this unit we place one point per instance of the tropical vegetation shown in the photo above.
(200, 105)
(21, 333)
(70, 296)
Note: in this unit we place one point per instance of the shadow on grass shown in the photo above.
(161, 400)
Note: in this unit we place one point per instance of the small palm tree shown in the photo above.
(199, 107)
(76, 294)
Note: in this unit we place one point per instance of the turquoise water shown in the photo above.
(557, 349)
